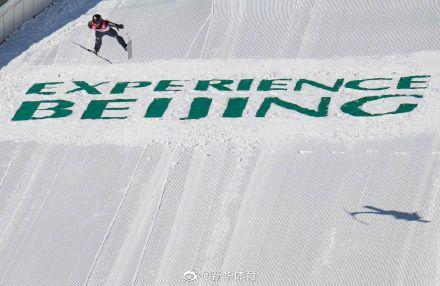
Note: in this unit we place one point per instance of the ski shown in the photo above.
(129, 44)
(93, 52)
(130, 49)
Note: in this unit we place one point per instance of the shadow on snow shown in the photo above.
(47, 22)
(398, 215)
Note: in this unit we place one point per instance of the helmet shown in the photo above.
(97, 19)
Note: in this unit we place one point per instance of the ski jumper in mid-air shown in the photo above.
(105, 28)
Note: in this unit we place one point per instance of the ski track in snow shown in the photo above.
(139, 202)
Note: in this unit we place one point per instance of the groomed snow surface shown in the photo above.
(223, 201)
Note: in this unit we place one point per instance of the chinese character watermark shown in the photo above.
(216, 276)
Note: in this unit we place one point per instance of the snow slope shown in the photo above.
(248, 200)
(226, 29)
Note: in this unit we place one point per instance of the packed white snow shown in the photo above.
(249, 200)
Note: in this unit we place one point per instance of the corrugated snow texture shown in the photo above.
(106, 214)
(100, 215)
(230, 29)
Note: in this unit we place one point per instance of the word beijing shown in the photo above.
(50, 108)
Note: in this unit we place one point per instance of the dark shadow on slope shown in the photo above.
(414, 216)
(44, 24)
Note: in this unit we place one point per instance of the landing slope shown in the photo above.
(246, 142)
